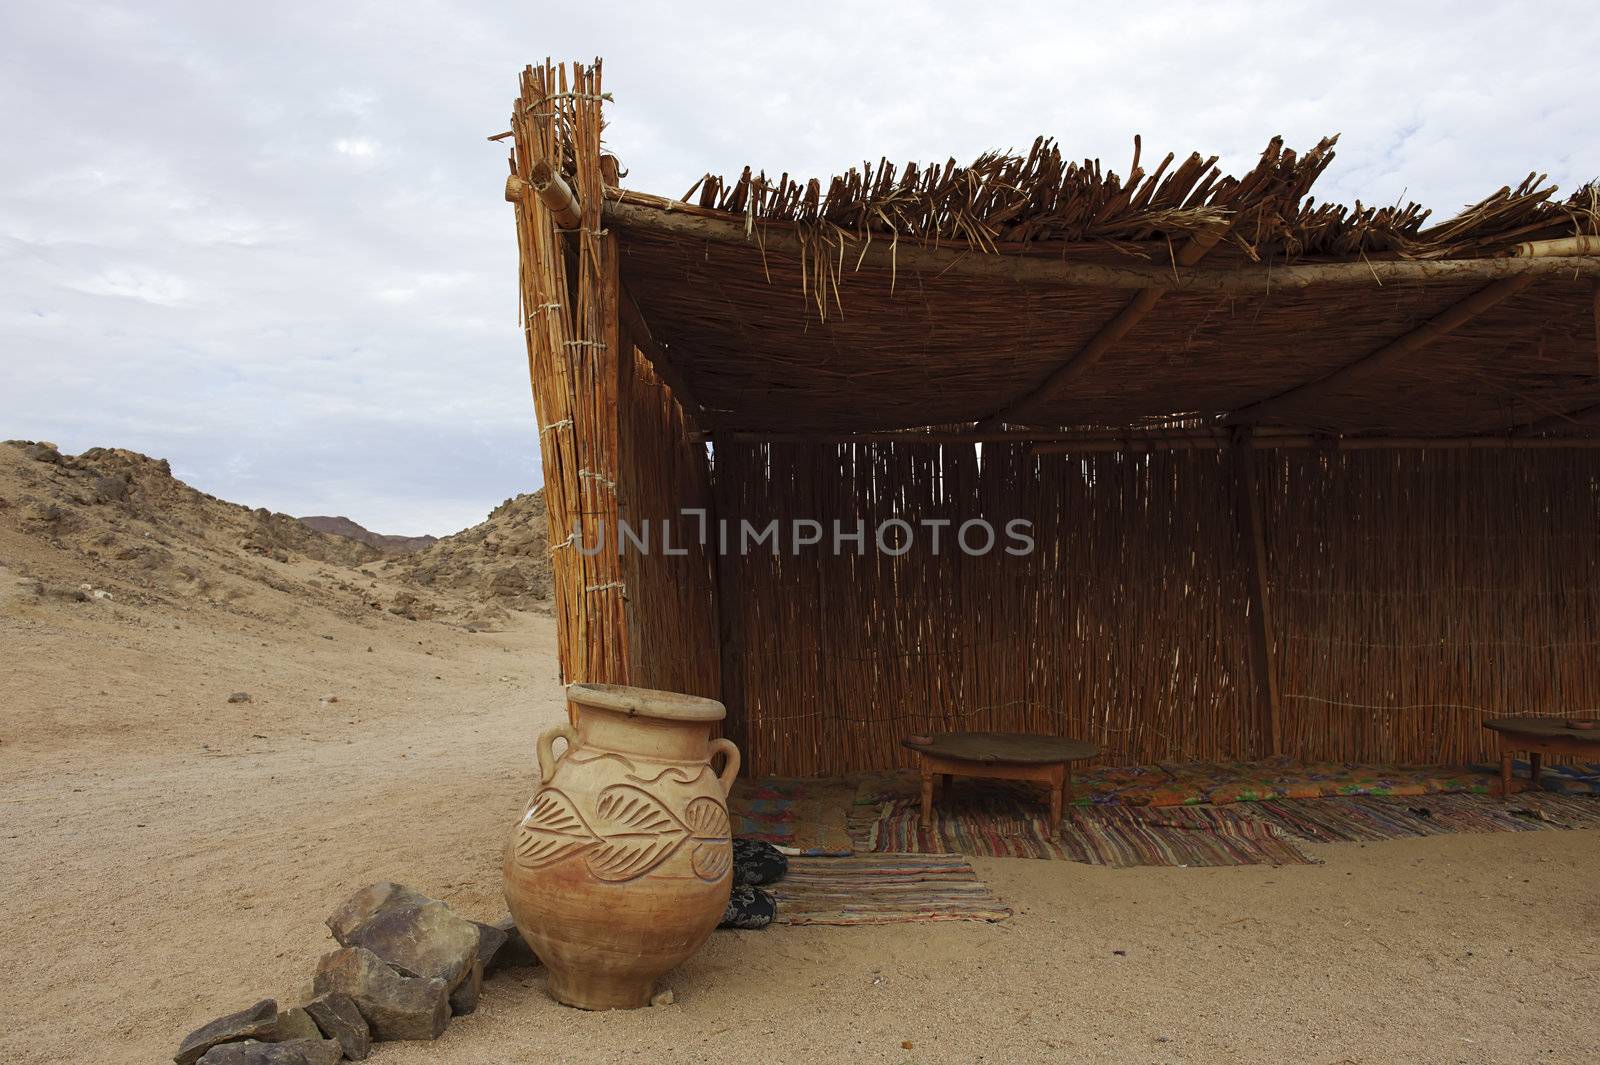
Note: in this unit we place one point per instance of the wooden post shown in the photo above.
(736, 725)
(1263, 667)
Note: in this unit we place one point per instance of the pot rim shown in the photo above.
(646, 702)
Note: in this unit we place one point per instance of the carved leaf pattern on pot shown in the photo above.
(551, 830)
(712, 855)
(638, 833)
(632, 833)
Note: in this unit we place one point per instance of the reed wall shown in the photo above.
(671, 593)
(1413, 594)
(1416, 592)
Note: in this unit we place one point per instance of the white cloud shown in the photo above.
(279, 255)
(163, 290)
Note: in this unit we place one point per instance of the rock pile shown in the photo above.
(405, 965)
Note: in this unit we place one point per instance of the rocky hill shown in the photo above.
(503, 561)
(114, 524)
(387, 543)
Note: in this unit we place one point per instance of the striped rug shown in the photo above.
(1369, 819)
(884, 889)
(995, 823)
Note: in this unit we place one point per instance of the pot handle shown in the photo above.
(730, 768)
(547, 749)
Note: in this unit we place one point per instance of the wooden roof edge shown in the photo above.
(653, 214)
(1183, 439)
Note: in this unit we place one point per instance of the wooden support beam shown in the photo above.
(1263, 664)
(1377, 361)
(1028, 403)
(1554, 423)
(1081, 442)
(730, 633)
(1333, 443)
(971, 436)
(637, 212)
(639, 330)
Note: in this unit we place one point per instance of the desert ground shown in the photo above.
(170, 855)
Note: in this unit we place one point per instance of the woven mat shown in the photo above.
(1369, 819)
(807, 813)
(1001, 821)
(884, 889)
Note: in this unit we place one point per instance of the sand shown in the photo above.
(169, 856)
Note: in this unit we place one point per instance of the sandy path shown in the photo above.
(162, 864)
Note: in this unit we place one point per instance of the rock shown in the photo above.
(358, 908)
(101, 593)
(336, 1014)
(421, 939)
(514, 953)
(44, 451)
(464, 999)
(326, 699)
(394, 1006)
(295, 1023)
(292, 1052)
(60, 591)
(417, 935)
(239, 697)
(257, 1022)
(111, 489)
(491, 938)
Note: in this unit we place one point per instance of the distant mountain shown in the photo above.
(387, 544)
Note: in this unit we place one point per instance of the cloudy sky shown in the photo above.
(268, 242)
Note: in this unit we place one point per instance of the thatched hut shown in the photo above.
(1300, 478)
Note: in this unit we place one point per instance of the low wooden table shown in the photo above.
(1539, 736)
(1002, 756)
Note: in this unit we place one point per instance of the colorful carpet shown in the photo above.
(807, 814)
(1370, 819)
(1198, 783)
(1580, 779)
(998, 821)
(884, 889)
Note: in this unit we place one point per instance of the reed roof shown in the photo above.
(855, 305)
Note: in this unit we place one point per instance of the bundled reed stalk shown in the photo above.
(569, 285)
(615, 441)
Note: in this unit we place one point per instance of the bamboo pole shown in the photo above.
(556, 194)
(1589, 412)
(630, 212)
(639, 329)
(1202, 439)
(964, 436)
(1303, 441)
(1263, 667)
(1365, 367)
(1582, 245)
(1085, 359)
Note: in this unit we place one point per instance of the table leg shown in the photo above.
(1505, 772)
(1537, 761)
(1059, 776)
(927, 796)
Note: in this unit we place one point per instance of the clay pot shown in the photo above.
(623, 862)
